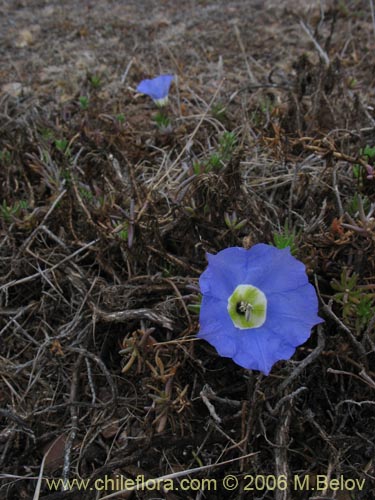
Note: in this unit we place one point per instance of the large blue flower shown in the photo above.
(157, 88)
(257, 305)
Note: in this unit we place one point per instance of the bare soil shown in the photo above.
(105, 220)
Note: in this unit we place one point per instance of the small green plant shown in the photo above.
(346, 293)
(161, 120)
(195, 306)
(232, 223)
(63, 146)
(357, 171)
(352, 82)
(286, 238)
(365, 311)
(66, 176)
(120, 118)
(84, 102)
(362, 223)
(197, 168)
(168, 270)
(124, 231)
(123, 234)
(86, 193)
(214, 162)
(95, 81)
(367, 154)
(47, 134)
(356, 302)
(219, 158)
(261, 114)
(266, 105)
(227, 144)
(218, 111)
(5, 157)
(8, 212)
(343, 9)
(354, 205)
(206, 210)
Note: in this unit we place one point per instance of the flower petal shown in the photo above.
(217, 328)
(157, 88)
(300, 304)
(260, 349)
(225, 271)
(292, 305)
(291, 315)
(274, 270)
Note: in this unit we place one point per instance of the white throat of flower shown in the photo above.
(247, 307)
(161, 102)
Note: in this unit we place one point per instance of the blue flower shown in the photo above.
(157, 88)
(257, 305)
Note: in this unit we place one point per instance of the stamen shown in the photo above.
(245, 308)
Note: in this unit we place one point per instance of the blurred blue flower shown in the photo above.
(157, 88)
(257, 305)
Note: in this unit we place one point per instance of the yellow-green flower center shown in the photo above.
(247, 307)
